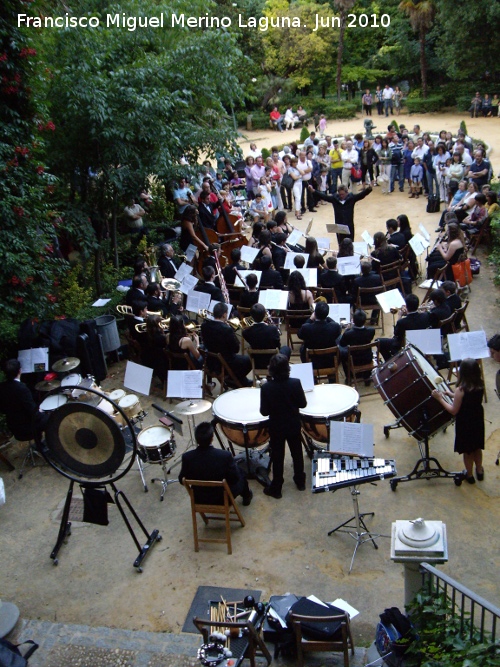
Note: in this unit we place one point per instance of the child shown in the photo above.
(258, 208)
(416, 176)
(322, 125)
(324, 181)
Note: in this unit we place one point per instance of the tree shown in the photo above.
(421, 14)
(343, 7)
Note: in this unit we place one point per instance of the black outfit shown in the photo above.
(469, 423)
(167, 267)
(248, 299)
(315, 262)
(218, 337)
(332, 278)
(386, 255)
(437, 314)
(373, 279)
(398, 239)
(356, 336)
(281, 400)
(229, 273)
(368, 159)
(156, 305)
(134, 294)
(262, 336)
(271, 279)
(23, 416)
(207, 218)
(436, 261)
(153, 353)
(279, 256)
(209, 288)
(208, 464)
(344, 211)
(454, 302)
(412, 321)
(317, 335)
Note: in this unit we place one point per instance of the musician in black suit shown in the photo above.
(441, 310)
(279, 250)
(393, 236)
(140, 313)
(319, 332)
(218, 337)
(368, 278)
(24, 418)
(454, 302)
(208, 286)
(262, 336)
(331, 278)
(155, 302)
(409, 319)
(280, 400)
(166, 263)
(205, 211)
(270, 279)
(229, 271)
(356, 334)
(208, 464)
(138, 290)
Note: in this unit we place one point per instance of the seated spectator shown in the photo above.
(276, 119)
(291, 119)
(258, 208)
(477, 217)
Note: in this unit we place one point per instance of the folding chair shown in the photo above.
(223, 374)
(388, 280)
(322, 371)
(328, 292)
(354, 369)
(294, 319)
(460, 322)
(476, 239)
(260, 361)
(439, 276)
(361, 303)
(304, 645)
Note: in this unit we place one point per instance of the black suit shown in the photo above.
(357, 336)
(398, 239)
(454, 302)
(279, 256)
(213, 465)
(262, 336)
(218, 337)
(156, 305)
(167, 267)
(134, 294)
(332, 278)
(317, 335)
(412, 322)
(344, 212)
(281, 400)
(207, 218)
(23, 417)
(437, 314)
(209, 288)
(229, 273)
(373, 279)
(271, 279)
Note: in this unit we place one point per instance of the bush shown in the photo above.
(265, 153)
(260, 120)
(463, 127)
(304, 133)
(428, 105)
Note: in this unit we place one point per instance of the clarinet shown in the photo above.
(223, 285)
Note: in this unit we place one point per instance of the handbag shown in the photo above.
(287, 181)
(462, 273)
(356, 174)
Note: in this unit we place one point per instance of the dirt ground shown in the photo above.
(284, 546)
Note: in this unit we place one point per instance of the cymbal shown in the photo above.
(66, 364)
(192, 407)
(47, 385)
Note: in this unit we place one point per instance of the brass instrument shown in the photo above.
(152, 260)
(141, 327)
(170, 284)
(248, 322)
(234, 322)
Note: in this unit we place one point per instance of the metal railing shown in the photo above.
(476, 614)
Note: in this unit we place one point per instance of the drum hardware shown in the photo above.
(131, 406)
(190, 409)
(47, 385)
(87, 447)
(157, 444)
(66, 364)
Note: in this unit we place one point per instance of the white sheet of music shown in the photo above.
(427, 283)
(33, 360)
(361, 248)
(348, 438)
(339, 312)
(188, 284)
(100, 302)
(183, 271)
(428, 341)
(245, 273)
(418, 244)
(468, 345)
(323, 242)
(273, 299)
(289, 260)
(294, 236)
(197, 301)
(310, 276)
(190, 251)
(345, 606)
(304, 373)
(367, 238)
(349, 266)
(391, 299)
(138, 378)
(248, 254)
(185, 384)
(425, 233)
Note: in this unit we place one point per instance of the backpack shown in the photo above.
(433, 204)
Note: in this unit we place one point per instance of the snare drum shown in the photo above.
(87, 383)
(405, 383)
(73, 379)
(327, 402)
(108, 407)
(238, 413)
(53, 402)
(116, 395)
(157, 443)
(130, 405)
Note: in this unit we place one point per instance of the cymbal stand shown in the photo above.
(359, 531)
(190, 443)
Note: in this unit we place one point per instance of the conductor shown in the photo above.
(343, 203)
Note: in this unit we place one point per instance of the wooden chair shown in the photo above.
(234, 294)
(354, 369)
(391, 282)
(328, 292)
(361, 303)
(342, 645)
(439, 276)
(324, 371)
(484, 233)
(256, 646)
(460, 322)
(134, 347)
(294, 319)
(259, 366)
(446, 325)
(223, 374)
(227, 511)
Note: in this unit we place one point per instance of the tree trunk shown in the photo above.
(114, 240)
(323, 90)
(423, 64)
(340, 54)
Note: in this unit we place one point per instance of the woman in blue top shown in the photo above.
(408, 160)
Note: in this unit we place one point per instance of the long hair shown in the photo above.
(153, 327)
(296, 284)
(469, 378)
(177, 330)
(312, 248)
(279, 367)
(346, 248)
(404, 223)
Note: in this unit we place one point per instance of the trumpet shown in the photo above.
(234, 322)
(142, 327)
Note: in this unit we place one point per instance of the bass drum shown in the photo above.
(238, 414)
(405, 382)
(326, 403)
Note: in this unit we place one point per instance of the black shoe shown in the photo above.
(480, 476)
(301, 487)
(401, 189)
(470, 480)
(313, 210)
(439, 230)
(273, 493)
(248, 499)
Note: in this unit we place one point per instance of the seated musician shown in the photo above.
(155, 302)
(140, 313)
(250, 296)
(208, 286)
(180, 341)
(299, 261)
(24, 418)
(388, 254)
(357, 334)
(270, 278)
(319, 332)
(262, 336)
(368, 278)
(208, 464)
(440, 311)
(137, 291)
(394, 237)
(190, 230)
(299, 297)
(279, 250)
(152, 351)
(331, 278)
(272, 228)
(409, 319)
(218, 337)
(166, 263)
(206, 211)
(454, 302)
(228, 271)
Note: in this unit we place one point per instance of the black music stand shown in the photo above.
(424, 468)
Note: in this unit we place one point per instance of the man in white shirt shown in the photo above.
(387, 95)
(464, 153)
(134, 214)
(290, 119)
(349, 158)
(305, 167)
(420, 150)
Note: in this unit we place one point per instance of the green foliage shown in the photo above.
(260, 120)
(304, 133)
(463, 126)
(395, 124)
(427, 105)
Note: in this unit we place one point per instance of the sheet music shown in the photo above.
(425, 233)
(323, 242)
(310, 276)
(34, 360)
(391, 299)
(418, 244)
(304, 373)
(183, 271)
(239, 283)
(248, 254)
(349, 266)
(347, 438)
(289, 259)
(367, 238)
(292, 238)
(185, 384)
(100, 302)
(138, 378)
(188, 284)
(427, 283)
(338, 229)
(197, 301)
(190, 251)
(345, 606)
(428, 341)
(361, 248)
(339, 312)
(468, 345)
(273, 299)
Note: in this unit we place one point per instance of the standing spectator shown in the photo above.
(350, 158)
(257, 171)
(430, 170)
(397, 165)
(416, 177)
(380, 101)
(408, 161)
(367, 101)
(322, 125)
(368, 158)
(387, 96)
(385, 157)
(297, 186)
(398, 99)
(133, 214)
(254, 151)
(249, 182)
(305, 168)
(335, 166)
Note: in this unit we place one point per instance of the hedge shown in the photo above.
(427, 105)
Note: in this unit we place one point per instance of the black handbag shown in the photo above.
(433, 204)
(287, 181)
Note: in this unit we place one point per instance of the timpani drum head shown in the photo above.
(240, 406)
(330, 400)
